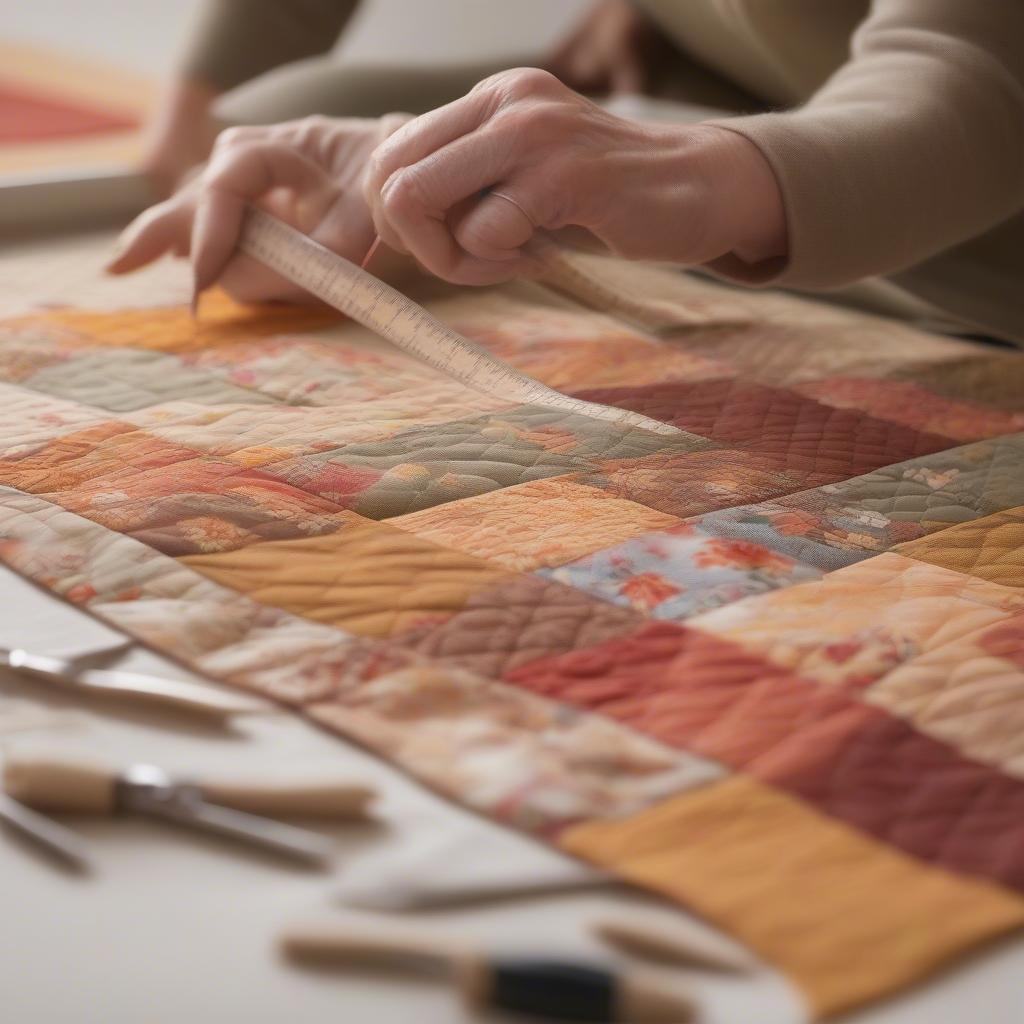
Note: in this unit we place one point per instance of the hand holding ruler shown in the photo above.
(387, 312)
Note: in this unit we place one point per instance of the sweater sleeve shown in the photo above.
(233, 41)
(914, 145)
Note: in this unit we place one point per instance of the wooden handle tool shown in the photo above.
(83, 786)
(535, 987)
(283, 799)
(50, 783)
(671, 942)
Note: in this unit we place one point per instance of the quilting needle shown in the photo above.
(370, 252)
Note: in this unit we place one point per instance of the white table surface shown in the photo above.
(172, 927)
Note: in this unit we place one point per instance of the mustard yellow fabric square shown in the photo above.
(845, 917)
(991, 548)
(368, 578)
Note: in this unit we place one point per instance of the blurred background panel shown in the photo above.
(143, 34)
(78, 81)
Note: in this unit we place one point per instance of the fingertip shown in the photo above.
(215, 231)
(124, 260)
(148, 236)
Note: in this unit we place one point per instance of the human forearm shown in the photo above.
(233, 41)
(915, 145)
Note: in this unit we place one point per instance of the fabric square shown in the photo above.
(685, 688)
(121, 379)
(118, 495)
(260, 435)
(968, 693)
(795, 340)
(570, 348)
(695, 482)
(555, 766)
(518, 620)
(26, 350)
(991, 548)
(842, 523)
(73, 459)
(978, 374)
(318, 370)
(881, 775)
(795, 432)
(174, 329)
(367, 578)
(907, 402)
(425, 466)
(846, 917)
(541, 523)
(166, 495)
(29, 421)
(856, 624)
(680, 572)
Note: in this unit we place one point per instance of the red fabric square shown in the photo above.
(795, 432)
(850, 760)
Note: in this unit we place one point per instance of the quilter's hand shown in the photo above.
(465, 187)
(309, 173)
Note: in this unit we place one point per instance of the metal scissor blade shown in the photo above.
(276, 836)
(48, 833)
(180, 693)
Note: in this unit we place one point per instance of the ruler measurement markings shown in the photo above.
(410, 327)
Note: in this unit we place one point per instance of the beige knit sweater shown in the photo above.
(895, 128)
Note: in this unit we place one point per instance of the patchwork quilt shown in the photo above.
(771, 667)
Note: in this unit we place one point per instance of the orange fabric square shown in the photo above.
(173, 329)
(368, 578)
(845, 917)
(539, 523)
(991, 548)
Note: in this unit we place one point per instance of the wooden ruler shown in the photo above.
(387, 312)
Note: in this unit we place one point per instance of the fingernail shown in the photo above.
(389, 186)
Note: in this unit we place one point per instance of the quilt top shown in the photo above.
(771, 667)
